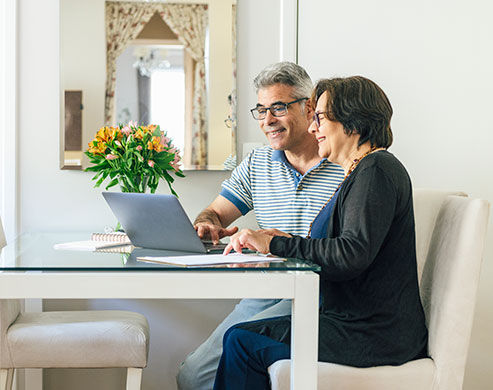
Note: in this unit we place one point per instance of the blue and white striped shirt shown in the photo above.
(281, 197)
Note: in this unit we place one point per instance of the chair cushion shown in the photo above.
(417, 374)
(88, 339)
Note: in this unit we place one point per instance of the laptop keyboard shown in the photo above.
(210, 247)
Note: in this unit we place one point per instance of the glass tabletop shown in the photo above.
(35, 252)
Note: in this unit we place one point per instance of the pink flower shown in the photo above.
(132, 124)
(139, 147)
(164, 140)
(150, 163)
(126, 130)
(111, 157)
(175, 164)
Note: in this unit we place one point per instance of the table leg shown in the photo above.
(304, 332)
(33, 377)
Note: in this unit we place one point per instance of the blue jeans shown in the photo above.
(245, 359)
(198, 371)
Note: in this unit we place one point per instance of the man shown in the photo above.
(286, 184)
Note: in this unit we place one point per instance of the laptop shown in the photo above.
(157, 221)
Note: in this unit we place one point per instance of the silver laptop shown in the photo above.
(157, 222)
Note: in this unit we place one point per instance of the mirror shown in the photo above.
(171, 64)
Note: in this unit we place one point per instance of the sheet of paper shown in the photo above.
(88, 245)
(198, 260)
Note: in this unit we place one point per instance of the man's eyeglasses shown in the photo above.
(277, 109)
(316, 117)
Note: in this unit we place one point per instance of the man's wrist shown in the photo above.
(208, 217)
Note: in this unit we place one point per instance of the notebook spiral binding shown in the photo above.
(111, 237)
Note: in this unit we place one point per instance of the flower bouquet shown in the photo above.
(135, 157)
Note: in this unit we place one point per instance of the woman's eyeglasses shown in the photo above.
(316, 117)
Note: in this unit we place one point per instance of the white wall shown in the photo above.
(51, 199)
(434, 60)
(8, 117)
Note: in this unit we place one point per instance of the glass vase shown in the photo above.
(136, 183)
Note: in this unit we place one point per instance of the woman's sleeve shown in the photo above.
(367, 212)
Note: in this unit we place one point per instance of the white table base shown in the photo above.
(300, 286)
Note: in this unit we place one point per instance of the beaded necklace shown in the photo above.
(353, 166)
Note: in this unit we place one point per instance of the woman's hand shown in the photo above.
(250, 239)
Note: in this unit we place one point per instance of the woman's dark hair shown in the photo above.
(360, 106)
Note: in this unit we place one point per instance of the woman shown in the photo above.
(364, 241)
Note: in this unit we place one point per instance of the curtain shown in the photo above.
(189, 22)
(125, 20)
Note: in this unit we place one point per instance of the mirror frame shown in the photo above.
(218, 107)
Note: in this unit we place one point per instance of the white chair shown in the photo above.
(75, 339)
(450, 234)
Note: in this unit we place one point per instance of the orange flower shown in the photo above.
(155, 144)
(139, 134)
(101, 134)
(119, 134)
(97, 147)
(108, 134)
(149, 129)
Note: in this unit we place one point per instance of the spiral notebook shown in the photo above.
(108, 242)
(91, 245)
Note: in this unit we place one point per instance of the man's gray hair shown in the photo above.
(286, 73)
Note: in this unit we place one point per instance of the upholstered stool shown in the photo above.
(75, 339)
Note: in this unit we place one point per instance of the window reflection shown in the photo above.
(150, 88)
(168, 102)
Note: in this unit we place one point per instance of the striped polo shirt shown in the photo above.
(281, 197)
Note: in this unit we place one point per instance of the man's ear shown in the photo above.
(309, 109)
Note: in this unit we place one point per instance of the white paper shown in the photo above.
(87, 245)
(197, 260)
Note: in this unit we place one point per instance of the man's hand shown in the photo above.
(207, 230)
(274, 232)
(250, 239)
(210, 223)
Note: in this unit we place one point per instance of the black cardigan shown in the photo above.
(371, 312)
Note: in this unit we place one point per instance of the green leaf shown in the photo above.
(168, 177)
(98, 183)
(113, 182)
(172, 190)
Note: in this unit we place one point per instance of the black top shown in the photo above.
(371, 312)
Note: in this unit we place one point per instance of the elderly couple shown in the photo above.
(326, 190)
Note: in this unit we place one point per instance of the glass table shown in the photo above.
(31, 268)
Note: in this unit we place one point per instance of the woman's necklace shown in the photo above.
(353, 166)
